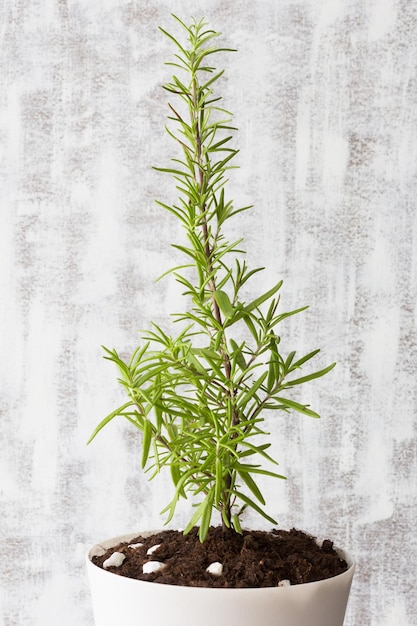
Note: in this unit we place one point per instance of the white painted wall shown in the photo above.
(324, 93)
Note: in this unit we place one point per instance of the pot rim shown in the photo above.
(112, 541)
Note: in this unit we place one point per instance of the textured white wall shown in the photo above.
(325, 96)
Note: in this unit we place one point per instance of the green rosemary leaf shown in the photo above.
(250, 483)
(224, 303)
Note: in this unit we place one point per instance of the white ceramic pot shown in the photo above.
(121, 600)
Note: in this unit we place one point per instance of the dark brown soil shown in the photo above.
(254, 559)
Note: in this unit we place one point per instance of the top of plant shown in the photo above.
(198, 397)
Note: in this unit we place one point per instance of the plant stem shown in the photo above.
(197, 114)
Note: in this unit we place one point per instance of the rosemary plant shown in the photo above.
(198, 397)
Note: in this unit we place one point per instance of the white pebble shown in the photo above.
(153, 549)
(115, 560)
(215, 568)
(135, 545)
(153, 566)
(284, 583)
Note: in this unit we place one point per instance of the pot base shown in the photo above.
(118, 599)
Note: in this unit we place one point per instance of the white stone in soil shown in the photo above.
(284, 583)
(153, 566)
(135, 545)
(115, 560)
(215, 568)
(153, 549)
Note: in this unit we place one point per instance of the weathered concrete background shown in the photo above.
(325, 96)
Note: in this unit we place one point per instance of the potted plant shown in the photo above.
(199, 399)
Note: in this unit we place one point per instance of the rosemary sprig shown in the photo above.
(199, 397)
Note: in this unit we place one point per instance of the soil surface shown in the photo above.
(254, 559)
